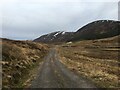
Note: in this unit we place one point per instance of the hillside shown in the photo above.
(95, 30)
(96, 60)
(18, 59)
(59, 36)
(98, 30)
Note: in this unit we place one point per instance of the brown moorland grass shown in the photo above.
(96, 60)
(18, 59)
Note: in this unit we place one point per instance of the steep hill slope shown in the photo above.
(98, 29)
(95, 30)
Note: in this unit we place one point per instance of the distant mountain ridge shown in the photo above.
(59, 36)
(94, 30)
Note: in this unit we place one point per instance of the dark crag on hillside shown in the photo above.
(95, 30)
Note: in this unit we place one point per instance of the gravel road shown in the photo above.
(53, 74)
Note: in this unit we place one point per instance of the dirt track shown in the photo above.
(53, 74)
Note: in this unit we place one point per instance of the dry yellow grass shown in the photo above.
(92, 60)
(18, 58)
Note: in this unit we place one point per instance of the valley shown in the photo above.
(87, 58)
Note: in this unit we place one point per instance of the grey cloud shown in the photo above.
(22, 20)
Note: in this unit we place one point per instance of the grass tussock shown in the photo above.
(18, 58)
(91, 60)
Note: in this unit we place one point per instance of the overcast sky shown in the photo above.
(29, 19)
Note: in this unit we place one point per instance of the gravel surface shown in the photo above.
(53, 74)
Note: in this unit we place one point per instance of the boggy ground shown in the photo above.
(96, 60)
